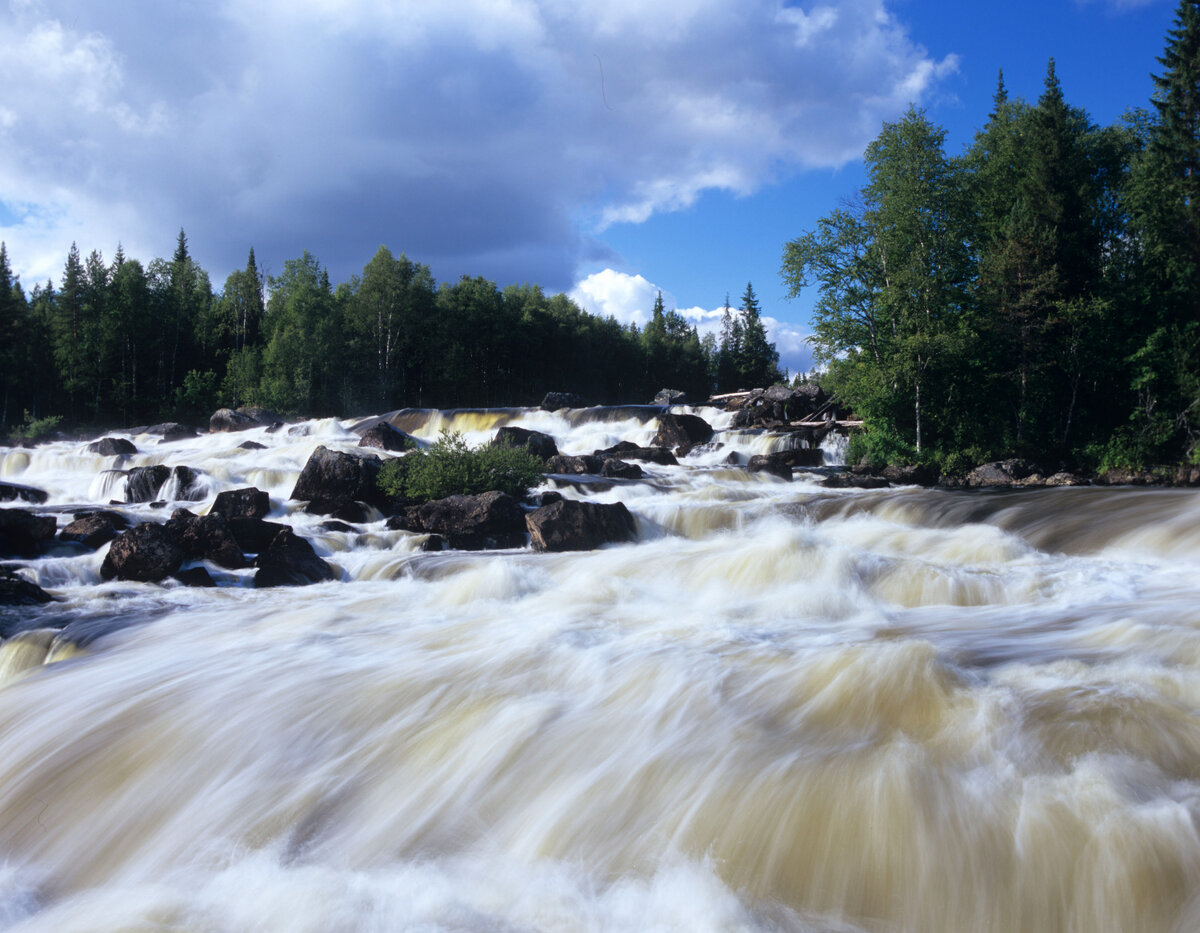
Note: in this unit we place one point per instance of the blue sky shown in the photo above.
(608, 149)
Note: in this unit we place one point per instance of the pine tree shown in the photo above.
(757, 358)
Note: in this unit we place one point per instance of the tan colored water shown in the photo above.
(785, 708)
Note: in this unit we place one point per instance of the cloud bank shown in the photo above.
(481, 137)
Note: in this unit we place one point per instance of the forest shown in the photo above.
(1037, 295)
(119, 343)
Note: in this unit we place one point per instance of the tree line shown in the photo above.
(123, 343)
(1037, 295)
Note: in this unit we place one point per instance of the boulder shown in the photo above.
(112, 447)
(14, 492)
(93, 529)
(22, 533)
(251, 445)
(334, 478)
(1001, 473)
(553, 401)
(627, 450)
(911, 475)
(774, 464)
(1063, 478)
(777, 404)
(682, 431)
(574, 465)
(195, 576)
(540, 445)
(248, 502)
(854, 481)
(206, 537)
(487, 520)
(290, 561)
(670, 397)
(185, 485)
(385, 437)
(146, 553)
(346, 510)
(253, 535)
(143, 483)
(174, 431)
(571, 525)
(17, 591)
(241, 419)
(621, 469)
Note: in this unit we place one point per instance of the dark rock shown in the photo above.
(549, 497)
(290, 561)
(770, 463)
(240, 419)
(347, 511)
(251, 445)
(553, 401)
(185, 485)
(621, 469)
(339, 527)
(682, 431)
(207, 537)
(540, 445)
(915, 475)
(172, 431)
(574, 465)
(253, 535)
(112, 447)
(17, 591)
(299, 430)
(1001, 473)
(434, 543)
(800, 456)
(571, 525)
(147, 553)
(22, 533)
(337, 478)
(385, 437)
(670, 397)
(274, 427)
(13, 492)
(626, 450)
(195, 576)
(92, 529)
(777, 404)
(248, 502)
(143, 483)
(487, 520)
(854, 481)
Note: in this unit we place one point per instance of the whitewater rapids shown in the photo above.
(785, 708)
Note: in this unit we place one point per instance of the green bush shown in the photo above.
(34, 429)
(451, 468)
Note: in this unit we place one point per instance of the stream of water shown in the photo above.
(785, 707)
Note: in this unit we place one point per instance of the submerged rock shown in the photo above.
(147, 553)
(571, 525)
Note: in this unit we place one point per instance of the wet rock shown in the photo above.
(912, 475)
(571, 525)
(488, 520)
(1001, 473)
(800, 456)
(1063, 478)
(540, 445)
(682, 431)
(574, 465)
(93, 529)
(24, 533)
(778, 404)
(251, 445)
(147, 553)
(143, 483)
(241, 419)
(14, 492)
(206, 537)
(347, 511)
(854, 481)
(554, 401)
(112, 447)
(384, 436)
(1122, 477)
(770, 463)
(627, 450)
(290, 561)
(186, 485)
(621, 469)
(248, 502)
(195, 576)
(334, 479)
(338, 526)
(253, 535)
(670, 397)
(17, 591)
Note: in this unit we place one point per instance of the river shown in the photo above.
(784, 708)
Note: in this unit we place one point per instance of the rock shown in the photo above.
(251, 445)
(185, 485)
(334, 479)
(682, 431)
(540, 445)
(338, 526)
(1187, 476)
(1122, 477)
(241, 419)
(626, 450)
(553, 401)
(143, 483)
(800, 456)
(17, 591)
(385, 437)
(13, 492)
(777, 404)
(549, 497)
(571, 525)
(146, 553)
(1063, 478)
(347, 511)
(253, 535)
(172, 431)
(93, 529)
(206, 537)
(248, 502)
(1001, 473)
(770, 463)
(670, 397)
(112, 447)
(913, 475)
(488, 520)
(22, 533)
(195, 576)
(854, 481)
(574, 465)
(290, 561)
(621, 469)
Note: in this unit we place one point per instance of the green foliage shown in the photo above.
(198, 395)
(449, 468)
(34, 429)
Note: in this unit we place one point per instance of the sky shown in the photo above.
(608, 149)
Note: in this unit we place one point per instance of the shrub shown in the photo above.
(451, 468)
(34, 429)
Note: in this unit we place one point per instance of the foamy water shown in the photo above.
(784, 708)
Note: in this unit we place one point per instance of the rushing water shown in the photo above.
(784, 708)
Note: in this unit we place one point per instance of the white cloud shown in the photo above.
(470, 133)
